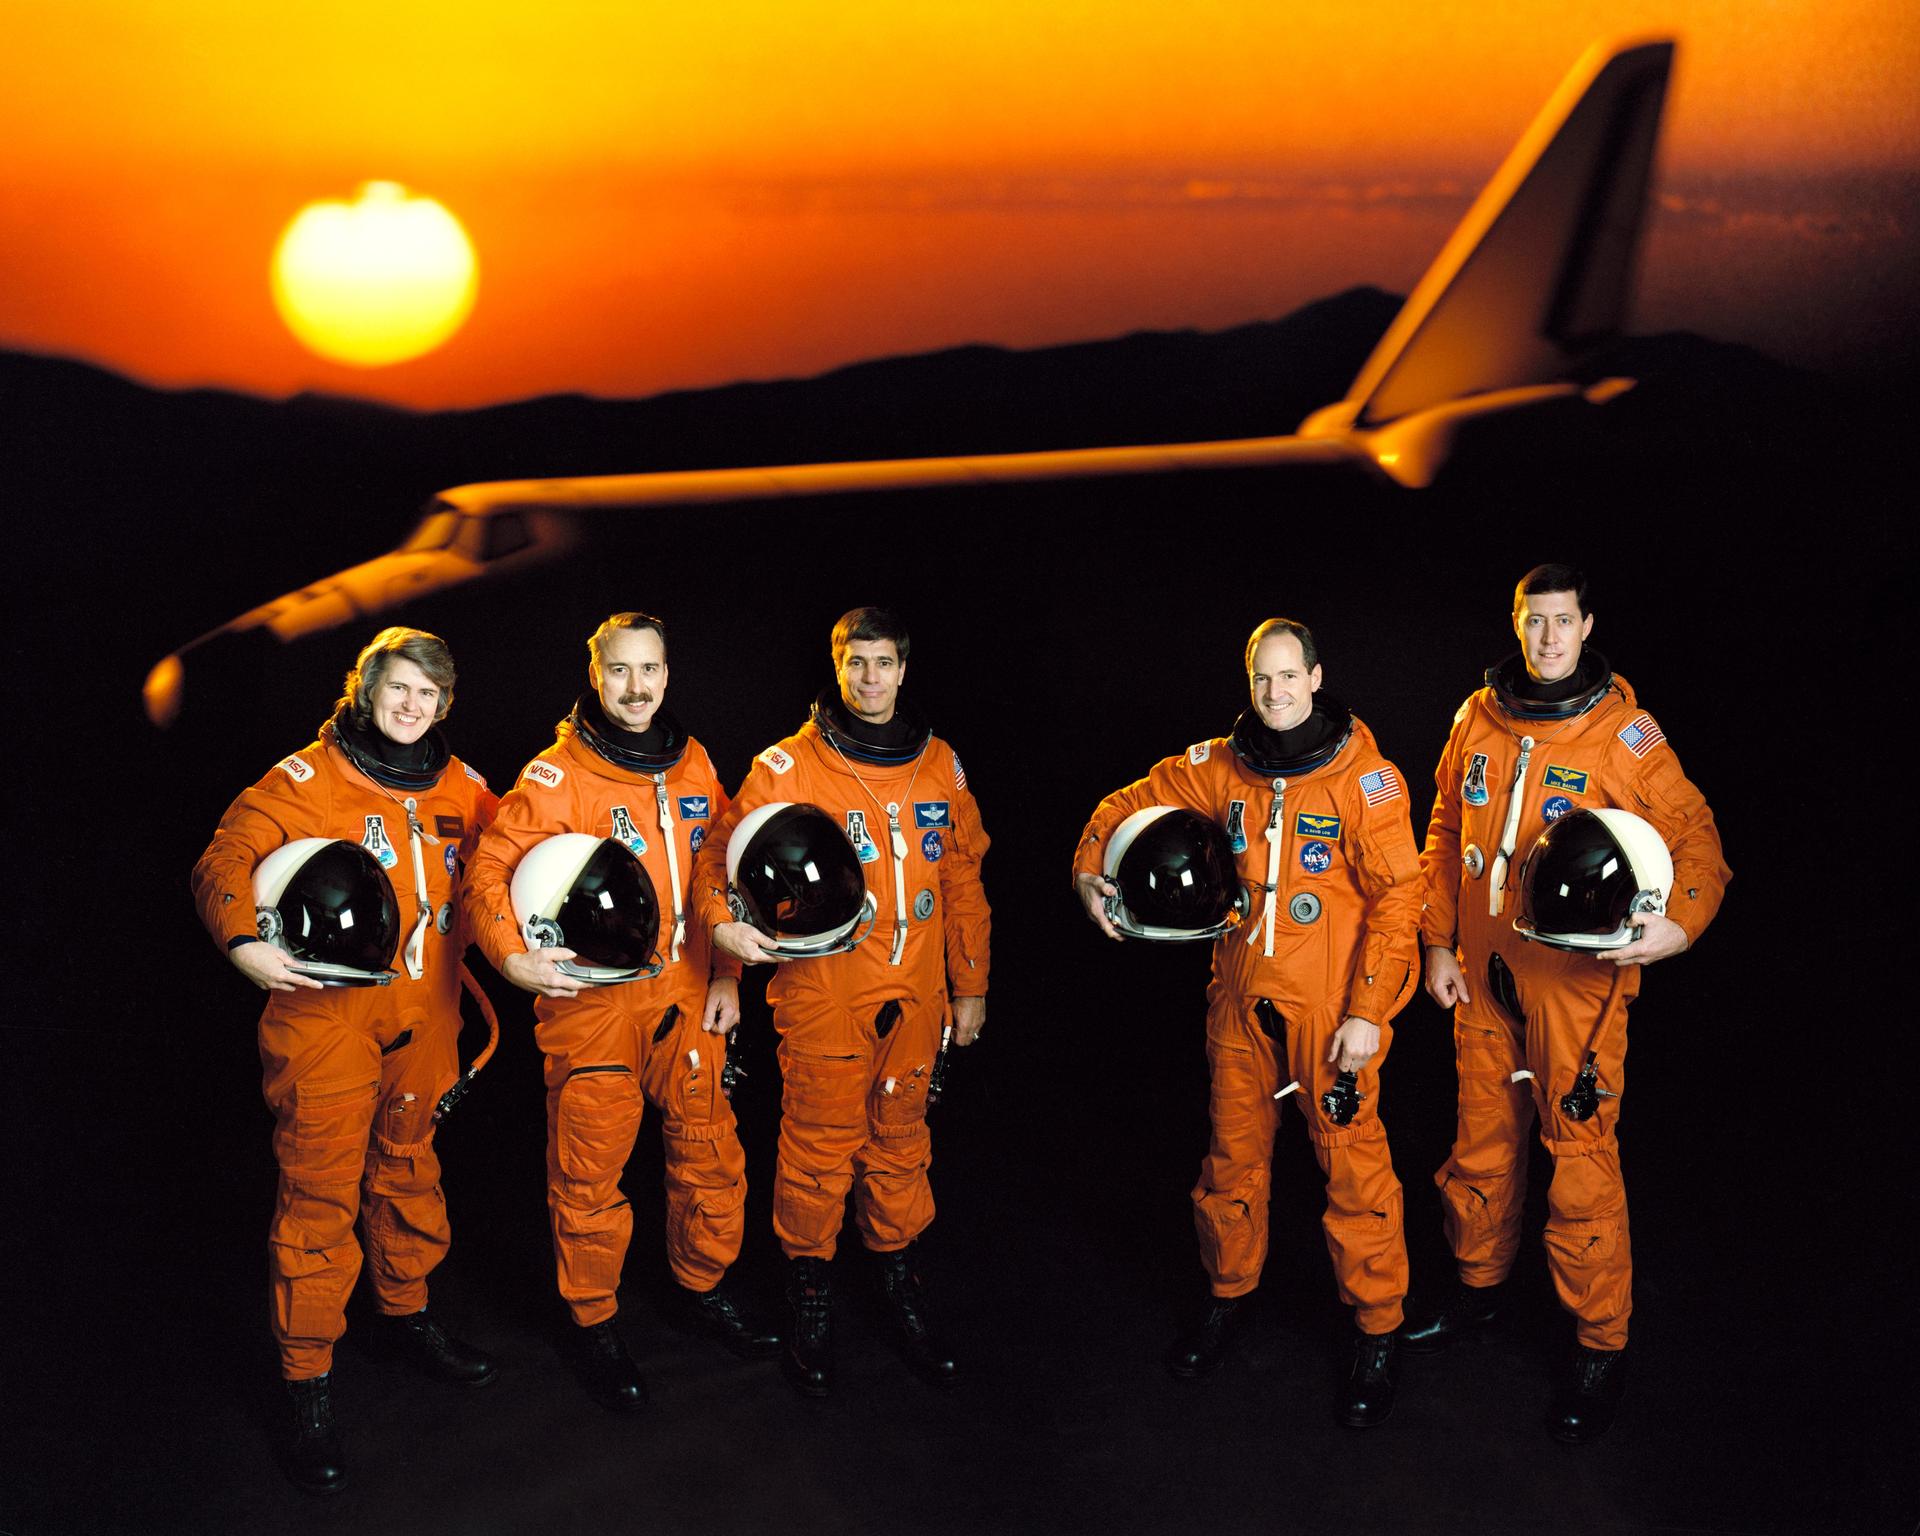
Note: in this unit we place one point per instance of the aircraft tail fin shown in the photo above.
(1541, 268)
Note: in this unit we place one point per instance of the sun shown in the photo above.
(387, 277)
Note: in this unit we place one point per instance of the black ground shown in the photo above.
(1745, 581)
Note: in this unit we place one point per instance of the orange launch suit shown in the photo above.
(352, 1074)
(610, 1050)
(1350, 846)
(859, 1031)
(1612, 755)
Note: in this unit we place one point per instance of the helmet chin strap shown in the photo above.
(673, 863)
(1497, 885)
(1274, 834)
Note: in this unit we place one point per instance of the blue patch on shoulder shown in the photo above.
(1316, 858)
(1554, 807)
(931, 848)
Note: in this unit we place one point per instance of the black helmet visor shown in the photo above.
(611, 917)
(799, 876)
(1577, 879)
(339, 909)
(1179, 873)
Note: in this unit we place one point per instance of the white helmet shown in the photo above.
(593, 896)
(328, 904)
(794, 876)
(1176, 874)
(1586, 874)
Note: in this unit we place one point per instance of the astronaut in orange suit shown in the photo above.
(860, 1031)
(621, 766)
(352, 1074)
(1554, 730)
(1304, 989)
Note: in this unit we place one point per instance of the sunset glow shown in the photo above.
(667, 196)
(379, 280)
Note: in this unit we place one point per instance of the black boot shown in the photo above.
(1367, 1397)
(1584, 1407)
(906, 1300)
(1469, 1310)
(808, 1357)
(716, 1314)
(605, 1368)
(1196, 1353)
(434, 1352)
(311, 1449)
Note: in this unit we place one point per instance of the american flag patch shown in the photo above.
(959, 773)
(1642, 735)
(1381, 784)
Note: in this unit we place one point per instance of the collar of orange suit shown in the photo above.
(900, 740)
(1525, 699)
(654, 750)
(390, 764)
(1311, 744)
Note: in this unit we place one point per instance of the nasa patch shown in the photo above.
(931, 848)
(1316, 858)
(1554, 807)
(377, 844)
(775, 759)
(1199, 752)
(624, 831)
(296, 768)
(923, 905)
(1572, 780)
(1306, 824)
(695, 807)
(1237, 825)
(1473, 788)
(695, 839)
(932, 813)
(543, 772)
(453, 858)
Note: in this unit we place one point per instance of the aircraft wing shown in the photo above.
(1536, 275)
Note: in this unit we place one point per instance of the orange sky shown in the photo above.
(664, 195)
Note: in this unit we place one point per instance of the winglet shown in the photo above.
(1541, 268)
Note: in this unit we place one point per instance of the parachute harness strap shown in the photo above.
(898, 841)
(673, 863)
(1497, 886)
(1274, 834)
(416, 952)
